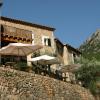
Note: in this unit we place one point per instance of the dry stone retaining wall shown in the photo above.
(17, 85)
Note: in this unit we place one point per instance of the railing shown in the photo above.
(8, 31)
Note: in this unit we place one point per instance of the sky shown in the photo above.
(74, 20)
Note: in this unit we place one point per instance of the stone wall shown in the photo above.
(17, 85)
(38, 33)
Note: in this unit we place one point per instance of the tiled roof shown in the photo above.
(69, 46)
(57, 40)
(27, 23)
(74, 49)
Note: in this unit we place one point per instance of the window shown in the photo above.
(2, 28)
(32, 38)
(46, 41)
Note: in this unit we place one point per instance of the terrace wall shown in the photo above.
(17, 85)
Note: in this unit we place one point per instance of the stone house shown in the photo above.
(66, 53)
(13, 30)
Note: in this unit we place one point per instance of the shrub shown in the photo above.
(88, 75)
(21, 66)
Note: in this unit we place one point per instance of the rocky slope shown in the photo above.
(91, 48)
(17, 85)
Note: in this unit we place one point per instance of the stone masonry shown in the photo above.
(38, 33)
(18, 85)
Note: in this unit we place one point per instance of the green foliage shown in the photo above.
(91, 50)
(87, 74)
(92, 86)
(21, 66)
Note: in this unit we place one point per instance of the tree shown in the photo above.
(88, 74)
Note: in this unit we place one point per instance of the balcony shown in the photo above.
(16, 33)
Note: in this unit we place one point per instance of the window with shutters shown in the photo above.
(46, 41)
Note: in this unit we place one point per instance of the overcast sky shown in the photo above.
(74, 20)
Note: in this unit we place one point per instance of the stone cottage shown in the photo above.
(66, 53)
(13, 30)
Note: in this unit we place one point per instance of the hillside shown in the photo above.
(91, 48)
(17, 85)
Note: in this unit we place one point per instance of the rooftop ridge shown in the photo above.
(27, 23)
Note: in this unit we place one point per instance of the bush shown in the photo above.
(88, 75)
(22, 66)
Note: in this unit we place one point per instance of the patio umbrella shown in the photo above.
(19, 49)
(45, 60)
